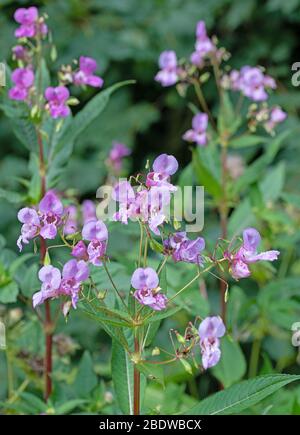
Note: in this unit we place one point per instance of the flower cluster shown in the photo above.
(147, 291)
(211, 329)
(250, 81)
(247, 254)
(198, 133)
(57, 98)
(55, 284)
(268, 117)
(183, 249)
(147, 204)
(116, 156)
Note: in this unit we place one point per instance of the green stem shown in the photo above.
(114, 286)
(254, 358)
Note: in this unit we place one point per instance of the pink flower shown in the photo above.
(277, 115)
(88, 210)
(30, 25)
(19, 52)
(198, 131)
(23, 79)
(146, 281)
(51, 278)
(80, 251)
(183, 249)
(203, 47)
(43, 222)
(57, 101)
(248, 254)
(210, 330)
(168, 75)
(70, 226)
(85, 74)
(116, 155)
(95, 232)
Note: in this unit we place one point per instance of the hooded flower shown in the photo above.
(70, 226)
(116, 155)
(145, 282)
(43, 222)
(276, 116)
(30, 25)
(203, 47)
(184, 249)
(57, 101)
(88, 210)
(168, 75)
(210, 330)
(23, 79)
(51, 278)
(96, 233)
(85, 74)
(248, 254)
(197, 133)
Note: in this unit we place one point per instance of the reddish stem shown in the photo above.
(224, 224)
(136, 383)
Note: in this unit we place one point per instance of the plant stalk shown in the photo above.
(136, 381)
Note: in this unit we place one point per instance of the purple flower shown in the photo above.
(85, 74)
(80, 251)
(168, 74)
(88, 210)
(30, 24)
(19, 52)
(96, 232)
(116, 155)
(165, 164)
(73, 274)
(210, 330)
(277, 115)
(145, 282)
(57, 101)
(251, 81)
(43, 222)
(198, 131)
(183, 249)
(23, 79)
(51, 211)
(51, 278)
(31, 225)
(248, 254)
(203, 47)
(70, 226)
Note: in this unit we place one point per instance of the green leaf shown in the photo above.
(232, 365)
(69, 406)
(12, 197)
(228, 121)
(241, 396)
(163, 314)
(9, 293)
(241, 218)
(272, 184)
(205, 177)
(34, 401)
(122, 376)
(87, 115)
(86, 379)
(246, 140)
(30, 283)
(151, 371)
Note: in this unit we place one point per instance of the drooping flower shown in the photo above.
(251, 82)
(44, 221)
(145, 281)
(168, 74)
(203, 47)
(51, 278)
(70, 226)
(184, 249)
(85, 74)
(210, 330)
(248, 254)
(30, 24)
(116, 155)
(57, 101)
(96, 233)
(55, 284)
(276, 116)
(198, 133)
(79, 251)
(88, 210)
(163, 167)
(23, 79)
(19, 52)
